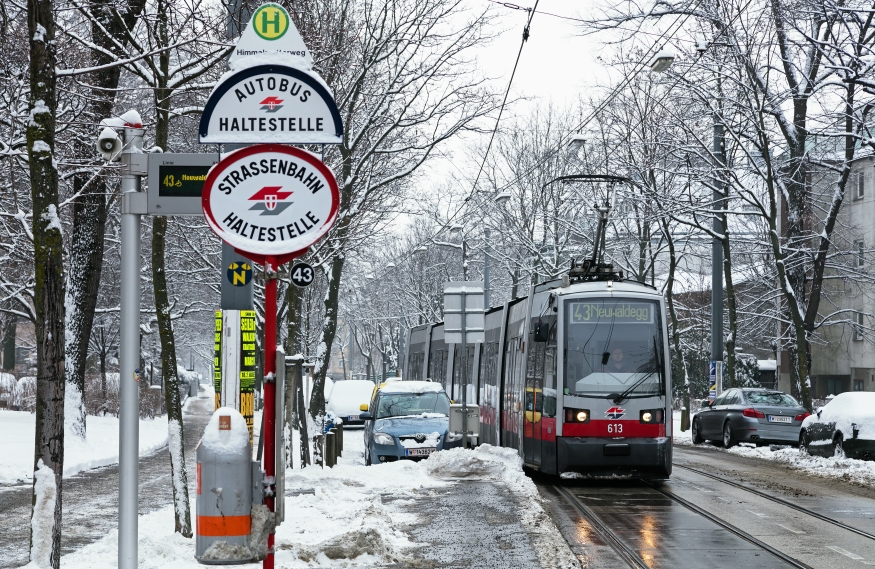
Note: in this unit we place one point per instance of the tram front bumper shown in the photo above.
(606, 456)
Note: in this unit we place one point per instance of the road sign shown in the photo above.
(176, 182)
(271, 103)
(270, 200)
(239, 274)
(463, 312)
(271, 32)
(302, 274)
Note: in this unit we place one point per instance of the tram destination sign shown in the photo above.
(616, 312)
(176, 182)
(270, 200)
(271, 104)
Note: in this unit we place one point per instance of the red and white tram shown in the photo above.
(575, 375)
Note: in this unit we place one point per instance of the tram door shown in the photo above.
(534, 402)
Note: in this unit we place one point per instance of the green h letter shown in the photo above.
(275, 22)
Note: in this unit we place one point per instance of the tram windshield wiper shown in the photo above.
(619, 398)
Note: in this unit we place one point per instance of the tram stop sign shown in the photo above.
(270, 200)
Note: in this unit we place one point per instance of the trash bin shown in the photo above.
(224, 490)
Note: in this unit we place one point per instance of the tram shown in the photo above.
(575, 376)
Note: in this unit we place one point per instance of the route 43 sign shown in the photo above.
(270, 200)
(302, 274)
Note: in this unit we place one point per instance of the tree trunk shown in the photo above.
(672, 314)
(731, 307)
(329, 330)
(182, 514)
(103, 406)
(86, 255)
(10, 323)
(90, 209)
(48, 289)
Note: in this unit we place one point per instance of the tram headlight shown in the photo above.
(653, 416)
(577, 415)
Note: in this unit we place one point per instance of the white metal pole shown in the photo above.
(464, 377)
(129, 356)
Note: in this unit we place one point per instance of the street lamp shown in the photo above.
(660, 63)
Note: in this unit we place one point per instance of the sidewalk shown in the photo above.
(458, 509)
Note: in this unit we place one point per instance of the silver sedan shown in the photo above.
(749, 415)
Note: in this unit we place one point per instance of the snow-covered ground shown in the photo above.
(852, 470)
(100, 447)
(338, 518)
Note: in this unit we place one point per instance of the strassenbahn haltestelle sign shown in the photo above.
(270, 200)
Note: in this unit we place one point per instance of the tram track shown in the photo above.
(780, 501)
(607, 534)
(629, 554)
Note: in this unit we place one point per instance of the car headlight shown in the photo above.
(384, 439)
(453, 437)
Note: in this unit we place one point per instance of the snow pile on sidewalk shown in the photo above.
(352, 515)
(100, 447)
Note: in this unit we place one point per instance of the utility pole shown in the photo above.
(133, 161)
(718, 200)
(486, 268)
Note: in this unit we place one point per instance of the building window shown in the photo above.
(860, 250)
(861, 186)
(858, 385)
(858, 326)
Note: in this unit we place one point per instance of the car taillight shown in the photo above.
(802, 416)
(753, 413)
(577, 415)
(652, 416)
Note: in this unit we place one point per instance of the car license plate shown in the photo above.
(420, 451)
(780, 419)
(352, 418)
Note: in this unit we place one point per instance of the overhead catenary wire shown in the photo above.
(504, 100)
(663, 38)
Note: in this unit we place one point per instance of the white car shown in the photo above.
(346, 400)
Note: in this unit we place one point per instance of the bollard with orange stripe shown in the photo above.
(224, 490)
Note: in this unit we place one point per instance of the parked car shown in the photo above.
(407, 420)
(750, 415)
(346, 399)
(845, 426)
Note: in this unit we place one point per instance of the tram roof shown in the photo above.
(593, 286)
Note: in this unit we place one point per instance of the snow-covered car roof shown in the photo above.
(847, 410)
(412, 387)
(347, 396)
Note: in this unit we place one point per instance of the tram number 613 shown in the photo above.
(615, 428)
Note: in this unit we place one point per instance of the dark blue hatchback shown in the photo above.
(407, 419)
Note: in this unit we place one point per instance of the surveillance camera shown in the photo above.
(109, 144)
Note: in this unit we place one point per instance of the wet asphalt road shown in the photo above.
(664, 533)
(87, 519)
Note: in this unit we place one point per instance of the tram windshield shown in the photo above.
(613, 347)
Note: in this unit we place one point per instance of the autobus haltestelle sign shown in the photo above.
(271, 103)
(270, 199)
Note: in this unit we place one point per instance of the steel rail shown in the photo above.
(729, 527)
(780, 501)
(625, 552)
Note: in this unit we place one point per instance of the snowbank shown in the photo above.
(100, 448)
(342, 517)
(858, 472)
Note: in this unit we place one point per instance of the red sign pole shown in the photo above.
(270, 309)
